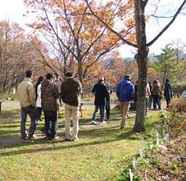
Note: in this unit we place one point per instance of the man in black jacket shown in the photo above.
(101, 95)
(71, 91)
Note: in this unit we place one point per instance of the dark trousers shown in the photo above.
(29, 110)
(156, 102)
(38, 113)
(168, 100)
(50, 123)
(108, 109)
(101, 108)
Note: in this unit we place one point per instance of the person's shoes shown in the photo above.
(68, 139)
(32, 137)
(75, 139)
(103, 122)
(93, 122)
(56, 138)
(46, 138)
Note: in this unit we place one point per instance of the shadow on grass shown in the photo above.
(7, 117)
(66, 145)
(6, 125)
(6, 132)
(106, 134)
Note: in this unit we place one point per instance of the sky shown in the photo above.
(13, 10)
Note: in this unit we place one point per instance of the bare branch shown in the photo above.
(162, 17)
(168, 25)
(56, 34)
(91, 45)
(110, 28)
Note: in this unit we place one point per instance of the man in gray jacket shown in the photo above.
(71, 90)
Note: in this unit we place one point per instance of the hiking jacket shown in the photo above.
(125, 90)
(156, 91)
(71, 91)
(49, 96)
(26, 93)
(101, 94)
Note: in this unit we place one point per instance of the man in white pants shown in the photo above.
(71, 91)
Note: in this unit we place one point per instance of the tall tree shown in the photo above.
(16, 55)
(142, 46)
(168, 65)
(78, 38)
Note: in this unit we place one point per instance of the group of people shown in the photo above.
(126, 92)
(50, 91)
(154, 94)
(45, 97)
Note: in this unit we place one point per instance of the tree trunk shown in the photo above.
(80, 72)
(142, 61)
(141, 91)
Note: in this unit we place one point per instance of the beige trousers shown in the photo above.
(71, 118)
(124, 110)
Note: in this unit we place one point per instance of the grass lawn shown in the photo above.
(99, 155)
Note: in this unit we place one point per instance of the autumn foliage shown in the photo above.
(75, 38)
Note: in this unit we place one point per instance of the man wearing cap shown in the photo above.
(71, 91)
(124, 92)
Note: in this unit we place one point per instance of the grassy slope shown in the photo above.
(100, 153)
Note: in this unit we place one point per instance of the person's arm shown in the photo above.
(55, 91)
(148, 93)
(94, 89)
(106, 92)
(62, 90)
(80, 88)
(31, 94)
(118, 90)
(132, 90)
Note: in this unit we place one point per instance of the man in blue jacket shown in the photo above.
(125, 93)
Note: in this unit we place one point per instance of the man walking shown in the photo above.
(101, 95)
(125, 93)
(49, 99)
(168, 93)
(71, 91)
(26, 96)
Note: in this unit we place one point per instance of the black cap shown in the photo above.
(68, 74)
(28, 73)
(49, 76)
(127, 77)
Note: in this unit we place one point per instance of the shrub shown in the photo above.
(178, 105)
(179, 88)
